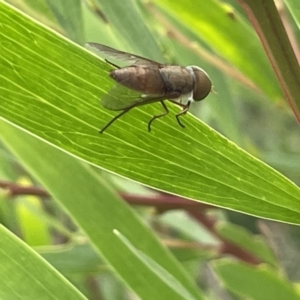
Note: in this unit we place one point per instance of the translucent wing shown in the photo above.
(120, 97)
(123, 56)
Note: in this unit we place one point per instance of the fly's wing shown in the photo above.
(123, 56)
(120, 97)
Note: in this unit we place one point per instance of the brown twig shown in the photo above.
(226, 247)
(14, 189)
(162, 202)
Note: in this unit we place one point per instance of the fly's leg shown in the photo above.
(112, 64)
(115, 118)
(173, 95)
(185, 109)
(158, 116)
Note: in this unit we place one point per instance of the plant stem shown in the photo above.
(269, 27)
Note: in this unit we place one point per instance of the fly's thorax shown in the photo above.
(145, 79)
(177, 79)
(202, 83)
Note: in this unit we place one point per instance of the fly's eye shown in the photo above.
(203, 84)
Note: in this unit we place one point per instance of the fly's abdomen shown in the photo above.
(140, 78)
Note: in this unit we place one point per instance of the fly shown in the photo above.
(146, 81)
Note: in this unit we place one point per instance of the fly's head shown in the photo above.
(203, 85)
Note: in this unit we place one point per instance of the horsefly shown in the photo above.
(146, 81)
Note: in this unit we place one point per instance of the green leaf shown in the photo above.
(51, 88)
(260, 283)
(25, 275)
(162, 273)
(294, 7)
(72, 258)
(98, 211)
(68, 15)
(131, 27)
(33, 227)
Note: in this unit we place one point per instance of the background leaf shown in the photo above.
(294, 7)
(223, 40)
(25, 268)
(249, 279)
(68, 14)
(132, 29)
(100, 216)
